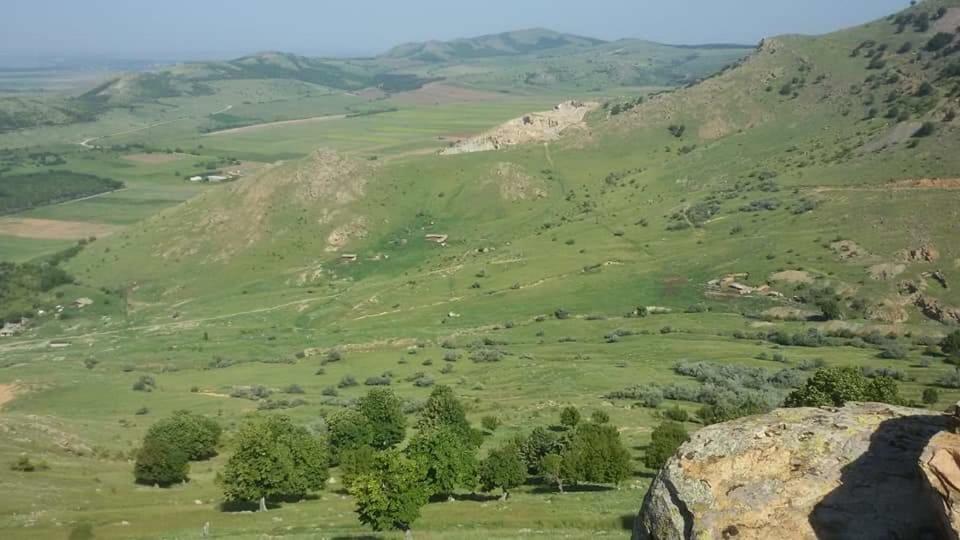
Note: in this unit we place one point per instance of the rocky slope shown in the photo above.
(862, 471)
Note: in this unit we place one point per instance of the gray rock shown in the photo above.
(847, 473)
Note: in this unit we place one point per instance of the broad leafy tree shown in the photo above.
(596, 455)
(838, 385)
(951, 344)
(160, 462)
(196, 435)
(274, 458)
(538, 444)
(551, 468)
(384, 411)
(356, 462)
(390, 496)
(664, 441)
(448, 458)
(503, 469)
(347, 430)
(443, 409)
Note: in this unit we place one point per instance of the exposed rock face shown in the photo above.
(848, 473)
(533, 127)
(932, 308)
(940, 463)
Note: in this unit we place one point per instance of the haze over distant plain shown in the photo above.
(195, 29)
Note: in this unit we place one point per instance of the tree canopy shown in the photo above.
(384, 411)
(390, 496)
(194, 434)
(274, 458)
(837, 385)
(664, 441)
(503, 469)
(160, 462)
(347, 429)
(596, 455)
(448, 458)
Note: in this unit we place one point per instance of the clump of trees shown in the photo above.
(951, 344)
(274, 458)
(170, 444)
(837, 385)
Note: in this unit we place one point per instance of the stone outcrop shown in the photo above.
(940, 463)
(534, 127)
(857, 472)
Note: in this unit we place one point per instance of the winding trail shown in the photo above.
(86, 143)
(280, 123)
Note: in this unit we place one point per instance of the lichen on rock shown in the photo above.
(850, 472)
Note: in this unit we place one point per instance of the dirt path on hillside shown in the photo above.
(281, 123)
(169, 325)
(86, 142)
(900, 185)
(8, 392)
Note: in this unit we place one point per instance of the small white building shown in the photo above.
(196, 179)
(216, 178)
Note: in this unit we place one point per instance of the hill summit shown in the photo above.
(514, 43)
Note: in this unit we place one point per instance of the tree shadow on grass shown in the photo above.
(881, 494)
(272, 503)
(477, 497)
(579, 488)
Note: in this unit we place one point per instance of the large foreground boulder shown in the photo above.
(832, 473)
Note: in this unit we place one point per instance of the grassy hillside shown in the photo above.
(515, 43)
(529, 61)
(819, 173)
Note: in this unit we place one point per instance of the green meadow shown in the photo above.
(589, 266)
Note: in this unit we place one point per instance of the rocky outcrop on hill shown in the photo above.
(864, 471)
(940, 463)
(533, 127)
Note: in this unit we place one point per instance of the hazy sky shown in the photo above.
(136, 28)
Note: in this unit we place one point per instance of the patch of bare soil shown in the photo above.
(890, 310)
(43, 430)
(885, 271)
(342, 235)
(7, 393)
(896, 134)
(246, 212)
(949, 22)
(929, 183)
(441, 93)
(50, 229)
(925, 253)
(282, 123)
(533, 127)
(715, 128)
(792, 276)
(516, 185)
(154, 159)
(848, 249)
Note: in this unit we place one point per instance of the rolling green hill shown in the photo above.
(529, 61)
(515, 43)
(693, 253)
